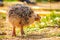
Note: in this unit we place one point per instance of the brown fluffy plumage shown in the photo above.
(21, 15)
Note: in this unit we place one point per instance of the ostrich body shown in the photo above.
(20, 15)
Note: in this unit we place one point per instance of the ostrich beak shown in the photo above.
(37, 18)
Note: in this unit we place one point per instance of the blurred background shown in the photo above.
(49, 25)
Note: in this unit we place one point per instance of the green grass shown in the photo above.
(49, 20)
(2, 16)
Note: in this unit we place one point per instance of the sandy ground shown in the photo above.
(19, 38)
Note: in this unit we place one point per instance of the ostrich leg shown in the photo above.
(13, 31)
(22, 31)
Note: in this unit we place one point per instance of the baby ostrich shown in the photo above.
(21, 15)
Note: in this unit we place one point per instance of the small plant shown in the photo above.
(46, 21)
